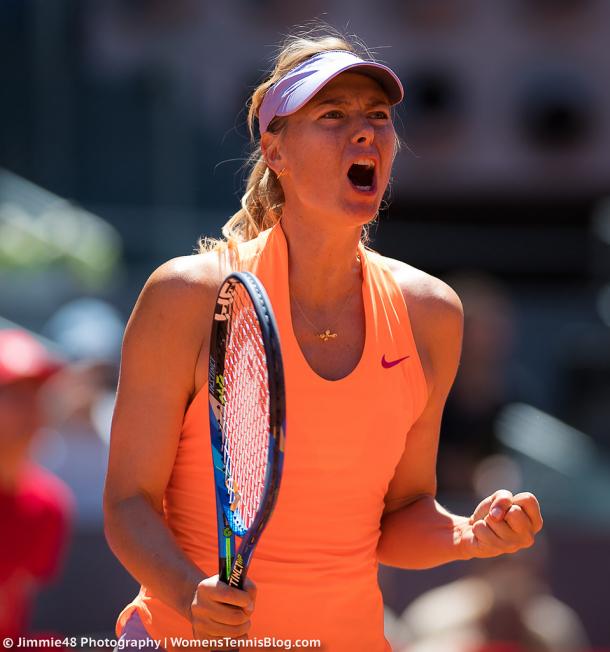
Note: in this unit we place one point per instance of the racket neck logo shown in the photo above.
(238, 569)
(223, 303)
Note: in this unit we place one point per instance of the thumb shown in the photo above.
(496, 506)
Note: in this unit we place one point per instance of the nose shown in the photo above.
(364, 133)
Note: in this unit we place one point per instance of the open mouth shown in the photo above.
(362, 175)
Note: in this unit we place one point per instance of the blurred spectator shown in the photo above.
(81, 400)
(506, 607)
(483, 385)
(34, 505)
(87, 329)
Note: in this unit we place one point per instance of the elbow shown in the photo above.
(389, 551)
(382, 556)
(401, 532)
(110, 508)
(120, 509)
(395, 559)
(118, 512)
(402, 559)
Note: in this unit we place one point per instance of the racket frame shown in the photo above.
(233, 567)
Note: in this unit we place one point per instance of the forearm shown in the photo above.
(421, 535)
(141, 540)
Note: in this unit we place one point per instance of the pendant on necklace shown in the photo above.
(327, 335)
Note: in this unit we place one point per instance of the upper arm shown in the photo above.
(437, 321)
(166, 331)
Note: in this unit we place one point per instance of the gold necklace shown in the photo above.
(326, 334)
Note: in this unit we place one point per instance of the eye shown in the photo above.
(380, 115)
(333, 114)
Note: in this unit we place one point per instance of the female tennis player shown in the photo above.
(370, 348)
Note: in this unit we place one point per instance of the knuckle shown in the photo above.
(479, 528)
(529, 499)
(201, 628)
(230, 617)
(198, 614)
(239, 618)
(223, 589)
(515, 521)
(236, 594)
(511, 517)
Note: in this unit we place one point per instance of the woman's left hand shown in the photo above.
(502, 523)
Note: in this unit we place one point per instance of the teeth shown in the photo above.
(366, 162)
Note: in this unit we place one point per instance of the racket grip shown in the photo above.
(238, 573)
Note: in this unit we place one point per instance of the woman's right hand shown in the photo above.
(222, 611)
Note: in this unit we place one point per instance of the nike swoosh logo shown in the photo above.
(386, 364)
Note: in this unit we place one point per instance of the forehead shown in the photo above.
(351, 85)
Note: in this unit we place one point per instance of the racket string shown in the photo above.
(246, 419)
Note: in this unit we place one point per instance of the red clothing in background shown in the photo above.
(34, 525)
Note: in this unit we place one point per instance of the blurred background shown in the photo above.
(123, 139)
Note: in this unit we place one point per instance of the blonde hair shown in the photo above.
(263, 201)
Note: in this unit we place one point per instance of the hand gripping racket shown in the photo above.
(247, 419)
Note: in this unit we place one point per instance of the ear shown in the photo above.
(270, 148)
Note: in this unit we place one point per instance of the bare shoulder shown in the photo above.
(187, 275)
(425, 293)
(182, 288)
(437, 319)
(170, 323)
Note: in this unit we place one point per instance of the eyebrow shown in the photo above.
(373, 101)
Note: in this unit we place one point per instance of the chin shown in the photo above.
(360, 214)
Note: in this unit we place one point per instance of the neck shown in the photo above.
(323, 262)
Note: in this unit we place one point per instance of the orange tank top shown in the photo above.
(315, 567)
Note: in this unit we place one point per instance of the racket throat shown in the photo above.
(228, 556)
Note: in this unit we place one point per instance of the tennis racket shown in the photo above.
(247, 419)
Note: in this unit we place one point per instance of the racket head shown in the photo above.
(247, 418)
